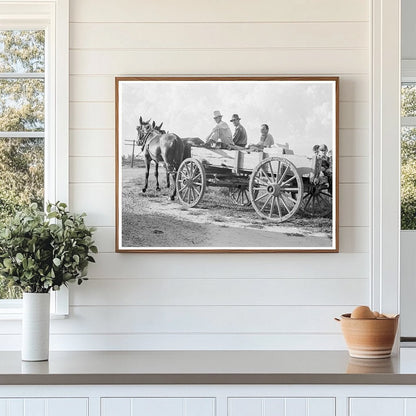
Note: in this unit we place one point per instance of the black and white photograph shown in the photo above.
(231, 164)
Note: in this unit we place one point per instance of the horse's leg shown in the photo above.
(147, 174)
(167, 178)
(173, 194)
(157, 176)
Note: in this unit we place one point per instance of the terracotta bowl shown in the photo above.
(369, 338)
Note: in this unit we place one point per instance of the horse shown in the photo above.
(158, 146)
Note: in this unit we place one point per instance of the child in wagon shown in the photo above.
(323, 166)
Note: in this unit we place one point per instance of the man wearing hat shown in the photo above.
(240, 134)
(220, 133)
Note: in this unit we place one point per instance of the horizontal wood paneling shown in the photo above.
(195, 319)
(99, 88)
(219, 11)
(92, 169)
(94, 143)
(237, 62)
(354, 142)
(105, 239)
(354, 205)
(200, 319)
(218, 291)
(354, 169)
(218, 35)
(98, 200)
(206, 301)
(354, 239)
(191, 341)
(231, 266)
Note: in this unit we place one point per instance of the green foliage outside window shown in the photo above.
(21, 110)
(408, 159)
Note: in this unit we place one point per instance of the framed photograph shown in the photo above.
(227, 164)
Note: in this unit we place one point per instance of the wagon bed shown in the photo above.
(239, 161)
(275, 184)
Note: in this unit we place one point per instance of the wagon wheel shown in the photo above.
(317, 200)
(240, 195)
(191, 182)
(276, 189)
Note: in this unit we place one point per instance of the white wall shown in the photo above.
(206, 301)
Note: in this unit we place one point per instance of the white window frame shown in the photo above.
(408, 236)
(53, 17)
(385, 159)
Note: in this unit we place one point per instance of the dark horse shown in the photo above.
(159, 146)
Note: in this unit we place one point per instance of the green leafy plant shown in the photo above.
(43, 251)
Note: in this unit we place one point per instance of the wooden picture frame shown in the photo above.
(231, 196)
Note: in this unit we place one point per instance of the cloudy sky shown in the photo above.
(301, 113)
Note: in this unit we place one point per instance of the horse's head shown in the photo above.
(143, 131)
(159, 128)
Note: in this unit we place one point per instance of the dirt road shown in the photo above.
(151, 220)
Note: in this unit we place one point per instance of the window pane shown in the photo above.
(22, 51)
(408, 178)
(409, 99)
(22, 105)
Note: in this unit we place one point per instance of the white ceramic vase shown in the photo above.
(35, 326)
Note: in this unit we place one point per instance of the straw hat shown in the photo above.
(217, 114)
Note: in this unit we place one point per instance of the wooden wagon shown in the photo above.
(277, 185)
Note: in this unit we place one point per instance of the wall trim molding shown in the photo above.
(385, 151)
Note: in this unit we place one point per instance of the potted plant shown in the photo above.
(40, 252)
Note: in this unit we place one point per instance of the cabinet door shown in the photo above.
(44, 407)
(160, 406)
(254, 406)
(381, 406)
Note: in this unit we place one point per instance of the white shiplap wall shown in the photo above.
(249, 301)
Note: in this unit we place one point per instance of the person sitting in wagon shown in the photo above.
(220, 134)
(266, 139)
(240, 134)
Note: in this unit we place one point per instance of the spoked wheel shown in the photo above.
(190, 182)
(317, 200)
(276, 189)
(240, 195)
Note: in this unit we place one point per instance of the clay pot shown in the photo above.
(369, 338)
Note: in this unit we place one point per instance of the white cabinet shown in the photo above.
(281, 406)
(44, 407)
(380, 406)
(159, 406)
